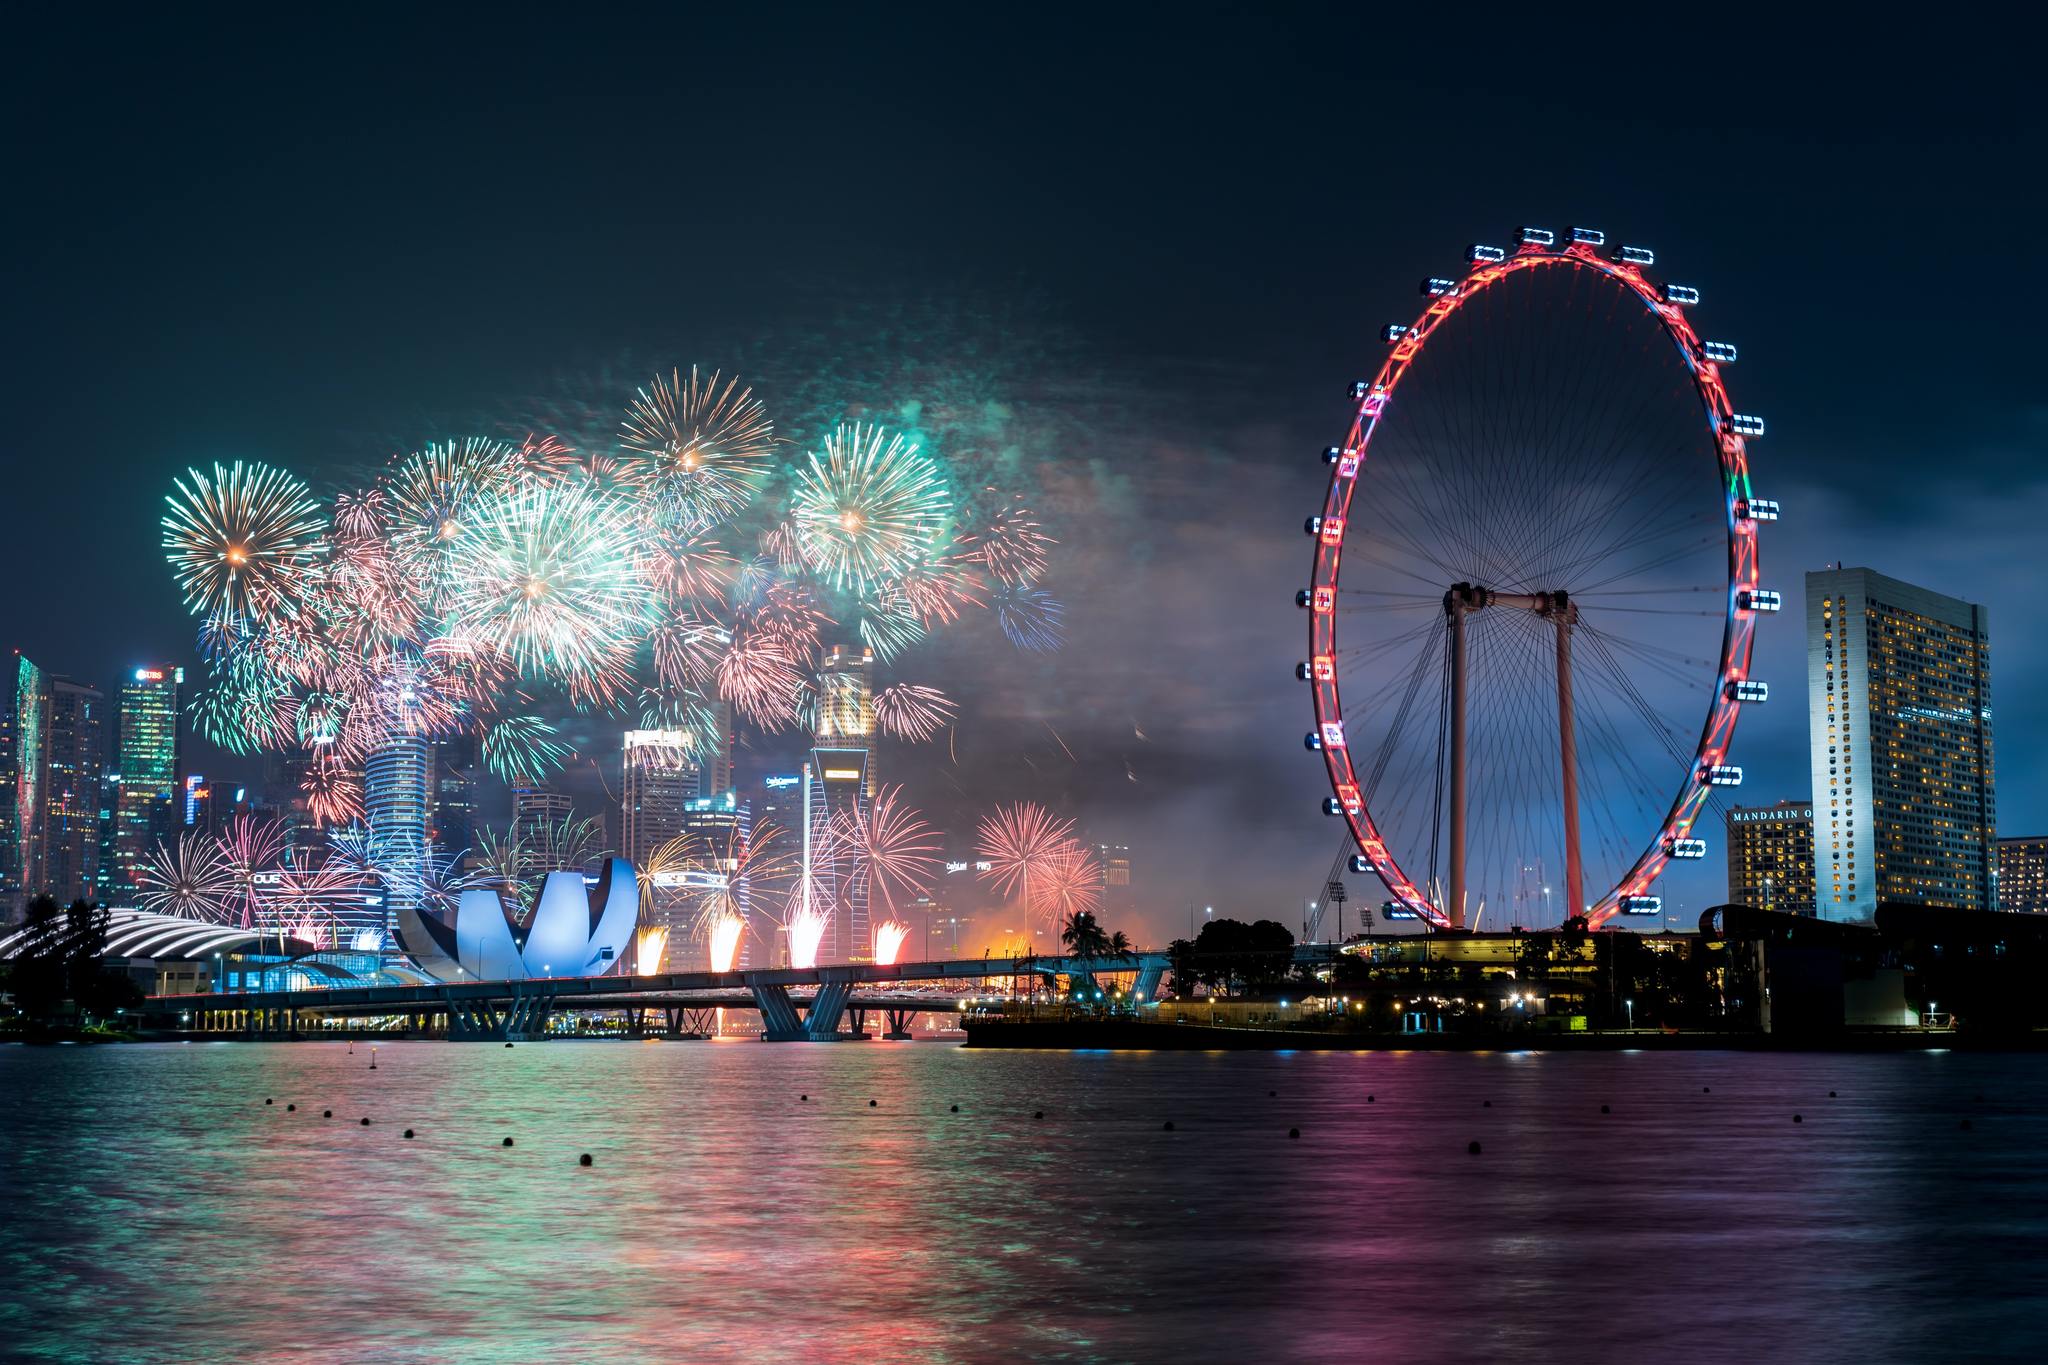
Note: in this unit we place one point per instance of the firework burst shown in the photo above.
(703, 447)
(1022, 844)
(1011, 546)
(913, 712)
(245, 541)
(871, 506)
(547, 576)
(889, 938)
(1032, 618)
(186, 878)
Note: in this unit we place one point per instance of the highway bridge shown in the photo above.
(797, 1004)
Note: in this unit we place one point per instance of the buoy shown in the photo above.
(326, 1113)
(366, 1122)
(583, 1160)
(871, 1104)
(1706, 1090)
(1797, 1119)
(1169, 1125)
(1038, 1113)
(408, 1132)
(1294, 1132)
(1604, 1109)
(1473, 1147)
(290, 1107)
(955, 1109)
(508, 1045)
(1831, 1094)
(1273, 1094)
(507, 1142)
(268, 1100)
(1486, 1104)
(1368, 1099)
(804, 1098)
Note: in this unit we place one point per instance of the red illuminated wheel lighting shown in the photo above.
(1541, 484)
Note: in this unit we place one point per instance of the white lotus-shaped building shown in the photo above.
(575, 930)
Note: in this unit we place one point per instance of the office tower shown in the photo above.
(31, 770)
(539, 815)
(395, 778)
(10, 878)
(714, 760)
(843, 781)
(658, 780)
(1117, 896)
(1899, 706)
(1770, 857)
(775, 813)
(2023, 875)
(73, 793)
(718, 830)
(146, 791)
(453, 796)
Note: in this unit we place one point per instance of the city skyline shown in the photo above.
(1176, 441)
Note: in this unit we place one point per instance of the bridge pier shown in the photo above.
(819, 1023)
(898, 1029)
(1148, 982)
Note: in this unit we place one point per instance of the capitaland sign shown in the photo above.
(778, 781)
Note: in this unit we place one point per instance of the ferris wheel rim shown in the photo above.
(1729, 438)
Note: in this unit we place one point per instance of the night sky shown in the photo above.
(1162, 247)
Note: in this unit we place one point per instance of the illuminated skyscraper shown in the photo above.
(31, 771)
(657, 782)
(72, 792)
(538, 814)
(395, 778)
(146, 789)
(1117, 896)
(1770, 857)
(10, 876)
(1899, 706)
(2023, 875)
(843, 782)
(453, 797)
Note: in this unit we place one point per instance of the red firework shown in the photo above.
(1023, 845)
(894, 851)
(910, 711)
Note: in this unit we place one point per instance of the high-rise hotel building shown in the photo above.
(659, 779)
(146, 778)
(396, 776)
(1899, 701)
(2023, 875)
(1770, 857)
(843, 784)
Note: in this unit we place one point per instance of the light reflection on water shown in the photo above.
(157, 1210)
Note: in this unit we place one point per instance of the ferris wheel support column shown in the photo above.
(1574, 871)
(1458, 601)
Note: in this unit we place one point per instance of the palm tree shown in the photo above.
(1083, 936)
(1120, 945)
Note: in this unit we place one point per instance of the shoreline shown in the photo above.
(1140, 1035)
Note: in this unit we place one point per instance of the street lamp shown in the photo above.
(1631, 1012)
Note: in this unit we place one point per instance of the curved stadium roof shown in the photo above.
(145, 933)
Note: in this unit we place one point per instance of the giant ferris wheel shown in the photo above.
(1535, 569)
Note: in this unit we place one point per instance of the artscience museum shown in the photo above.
(576, 929)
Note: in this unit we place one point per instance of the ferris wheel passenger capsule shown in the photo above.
(1757, 509)
(1759, 599)
(1588, 236)
(1358, 864)
(1477, 253)
(1681, 293)
(1332, 806)
(1635, 255)
(1359, 388)
(1437, 288)
(1685, 848)
(1535, 236)
(1312, 525)
(1743, 424)
(1722, 351)
(1721, 775)
(1302, 672)
(1394, 331)
(1312, 741)
(1642, 905)
(1746, 690)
